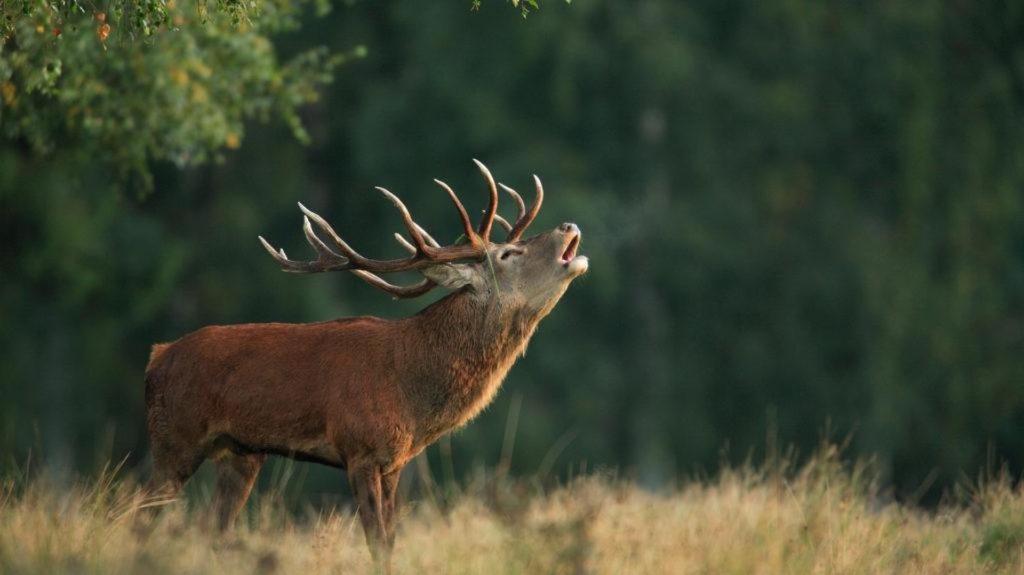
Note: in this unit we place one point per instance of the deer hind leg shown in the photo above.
(368, 490)
(176, 454)
(172, 468)
(236, 475)
(389, 488)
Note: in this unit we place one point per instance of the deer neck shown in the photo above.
(470, 346)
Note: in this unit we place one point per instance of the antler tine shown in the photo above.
(280, 258)
(430, 239)
(321, 248)
(467, 224)
(503, 222)
(326, 260)
(400, 292)
(405, 243)
(414, 230)
(346, 249)
(526, 219)
(492, 207)
(518, 199)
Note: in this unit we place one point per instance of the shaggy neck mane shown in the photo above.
(471, 343)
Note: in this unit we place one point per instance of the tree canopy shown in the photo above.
(164, 80)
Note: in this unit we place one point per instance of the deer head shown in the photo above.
(518, 273)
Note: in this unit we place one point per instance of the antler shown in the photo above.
(424, 250)
(525, 218)
(492, 207)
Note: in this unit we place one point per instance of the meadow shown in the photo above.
(821, 517)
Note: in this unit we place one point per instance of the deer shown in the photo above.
(362, 394)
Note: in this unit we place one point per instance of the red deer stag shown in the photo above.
(361, 394)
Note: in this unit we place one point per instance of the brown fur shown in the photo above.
(362, 394)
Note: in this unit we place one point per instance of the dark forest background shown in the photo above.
(805, 220)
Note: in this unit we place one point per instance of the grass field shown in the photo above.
(820, 518)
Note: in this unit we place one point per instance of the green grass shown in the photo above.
(820, 518)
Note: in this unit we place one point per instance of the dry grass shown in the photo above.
(818, 519)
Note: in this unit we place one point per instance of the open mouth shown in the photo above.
(570, 250)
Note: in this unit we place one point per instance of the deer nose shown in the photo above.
(569, 227)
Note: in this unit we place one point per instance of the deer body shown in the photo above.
(361, 394)
(378, 390)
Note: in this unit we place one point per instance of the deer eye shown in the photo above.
(505, 254)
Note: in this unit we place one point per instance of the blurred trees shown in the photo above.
(801, 217)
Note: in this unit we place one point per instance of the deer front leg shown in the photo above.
(367, 487)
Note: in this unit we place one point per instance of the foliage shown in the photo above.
(141, 81)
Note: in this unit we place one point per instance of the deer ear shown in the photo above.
(450, 276)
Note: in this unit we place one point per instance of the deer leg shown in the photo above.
(366, 484)
(171, 469)
(389, 488)
(236, 474)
